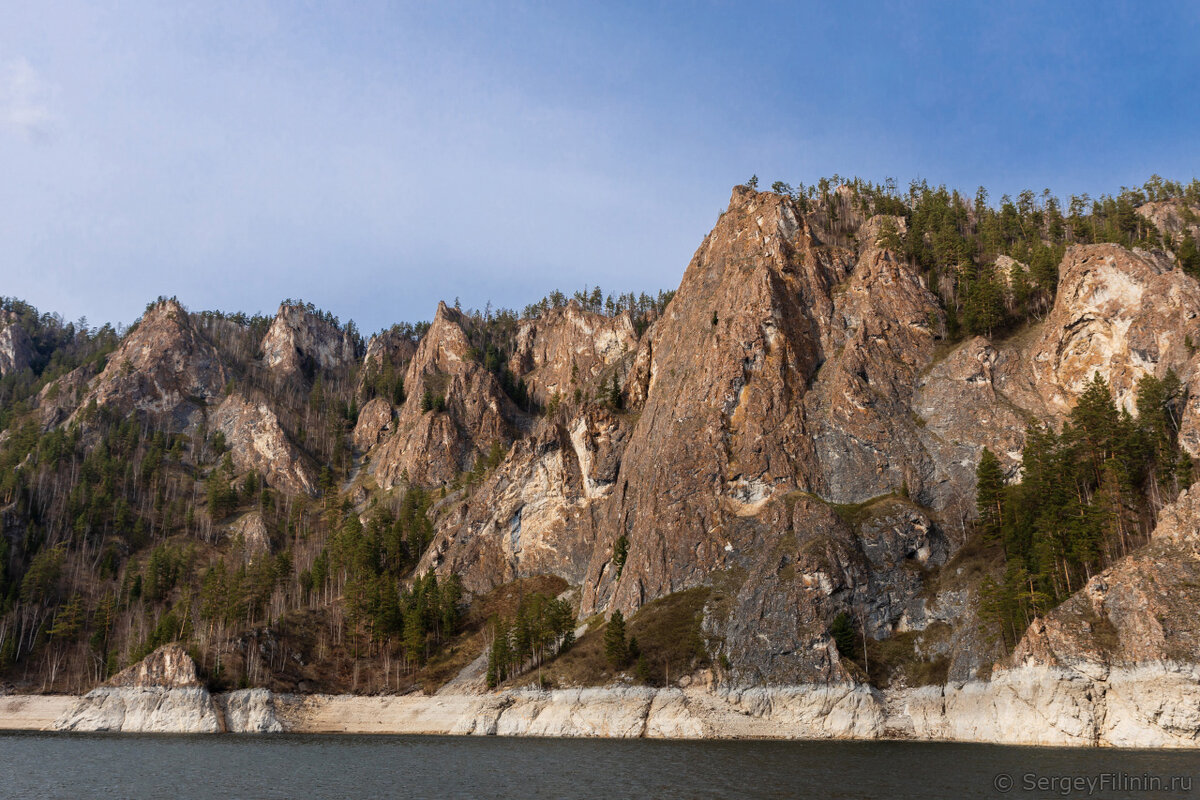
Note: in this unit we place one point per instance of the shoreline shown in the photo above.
(1151, 706)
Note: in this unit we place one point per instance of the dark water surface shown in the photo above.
(295, 766)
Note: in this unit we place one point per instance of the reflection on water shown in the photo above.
(285, 766)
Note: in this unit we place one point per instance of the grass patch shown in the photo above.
(854, 514)
(668, 635)
(896, 660)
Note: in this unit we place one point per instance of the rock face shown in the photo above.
(258, 442)
(162, 694)
(568, 348)
(300, 342)
(759, 380)
(164, 369)
(374, 420)
(1172, 218)
(1118, 313)
(431, 446)
(1140, 611)
(787, 374)
(16, 348)
(540, 514)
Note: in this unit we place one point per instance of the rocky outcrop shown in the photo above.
(432, 445)
(249, 533)
(568, 348)
(539, 513)
(258, 442)
(374, 420)
(1120, 313)
(721, 429)
(300, 342)
(16, 348)
(1173, 218)
(164, 369)
(163, 694)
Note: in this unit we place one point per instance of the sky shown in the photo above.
(374, 158)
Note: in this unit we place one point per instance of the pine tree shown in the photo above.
(616, 649)
(989, 497)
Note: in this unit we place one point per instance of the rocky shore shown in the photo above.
(1149, 706)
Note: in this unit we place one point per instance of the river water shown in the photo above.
(300, 766)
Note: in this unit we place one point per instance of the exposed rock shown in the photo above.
(164, 369)
(430, 446)
(249, 711)
(962, 407)
(721, 429)
(300, 342)
(168, 667)
(143, 710)
(161, 693)
(1139, 611)
(374, 420)
(16, 348)
(258, 442)
(537, 517)
(250, 532)
(1172, 217)
(59, 398)
(1155, 706)
(1118, 313)
(567, 348)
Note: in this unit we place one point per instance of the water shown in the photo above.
(295, 766)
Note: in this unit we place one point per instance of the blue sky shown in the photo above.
(377, 157)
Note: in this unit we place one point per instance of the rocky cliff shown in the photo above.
(162, 694)
(16, 349)
(454, 410)
(791, 445)
(164, 369)
(301, 342)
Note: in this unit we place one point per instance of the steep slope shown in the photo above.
(567, 348)
(300, 342)
(16, 349)
(164, 369)
(453, 412)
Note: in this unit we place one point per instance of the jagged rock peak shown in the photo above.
(455, 409)
(301, 341)
(16, 348)
(169, 666)
(163, 367)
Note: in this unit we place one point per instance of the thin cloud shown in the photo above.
(25, 101)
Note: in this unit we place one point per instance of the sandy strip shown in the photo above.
(384, 714)
(33, 712)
